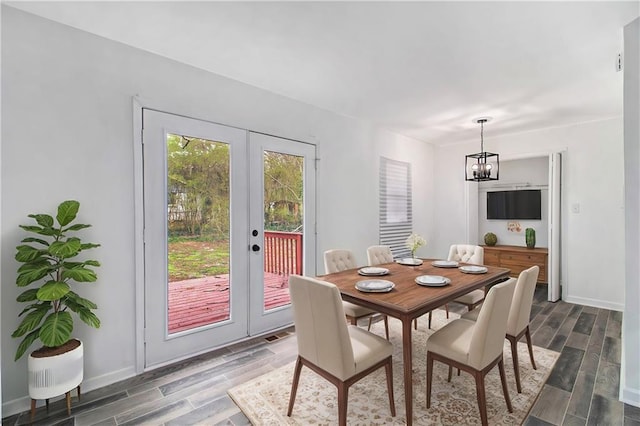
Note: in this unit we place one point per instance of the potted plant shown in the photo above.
(49, 268)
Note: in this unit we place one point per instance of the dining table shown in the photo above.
(408, 300)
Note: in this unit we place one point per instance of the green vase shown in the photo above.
(530, 237)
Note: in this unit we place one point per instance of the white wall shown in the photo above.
(589, 239)
(526, 173)
(630, 372)
(67, 115)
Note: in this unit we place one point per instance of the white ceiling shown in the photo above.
(421, 69)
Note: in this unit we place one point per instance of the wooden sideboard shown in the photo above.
(517, 259)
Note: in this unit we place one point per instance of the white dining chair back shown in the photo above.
(377, 255)
(337, 260)
(466, 253)
(522, 301)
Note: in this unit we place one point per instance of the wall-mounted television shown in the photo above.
(520, 204)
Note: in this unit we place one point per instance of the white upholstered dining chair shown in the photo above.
(338, 260)
(377, 255)
(468, 253)
(475, 346)
(518, 321)
(339, 353)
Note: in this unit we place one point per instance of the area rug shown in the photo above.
(264, 399)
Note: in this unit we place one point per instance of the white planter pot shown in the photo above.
(55, 375)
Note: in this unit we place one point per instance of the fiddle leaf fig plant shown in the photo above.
(48, 267)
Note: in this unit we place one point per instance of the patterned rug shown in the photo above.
(264, 399)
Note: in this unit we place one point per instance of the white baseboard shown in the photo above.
(596, 303)
(630, 396)
(19, 405)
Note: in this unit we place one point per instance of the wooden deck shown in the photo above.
(201, 301)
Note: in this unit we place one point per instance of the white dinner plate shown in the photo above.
(373, 270)
(410, 261)
(375, 286)
(473, 269)
(432, 280)
(445, 263)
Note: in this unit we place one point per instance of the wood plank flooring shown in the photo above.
(581, 390)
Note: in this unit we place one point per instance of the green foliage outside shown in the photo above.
(198, 203)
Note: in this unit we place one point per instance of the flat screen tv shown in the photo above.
(520, 204)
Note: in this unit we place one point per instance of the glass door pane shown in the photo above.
(283, 230)
(198, 226)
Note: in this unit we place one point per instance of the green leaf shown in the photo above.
(88, 246)
(33, 306)
(43, 220)
(82, 275)
(71, 265)
(92, 262)
(31, 321)
(53, 290)
(76, 227)
(26, 342)
(28, 295)
(40, 230)
(64, 249)
(27, 253)
(80, 301)
(67, 211)
(31, 272)
(35, 240)
(56, 329)
(89, 317)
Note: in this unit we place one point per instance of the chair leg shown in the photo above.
(503, 379)
(451, 371)
(343, 397)
(482, 397)
(415, 324)
(392, 405)
(370, 321)
(446, 308)
(528, 335)
(429, 325)
(516, 366)
(429, 377)
(33, 408)
(386, 326)
(294, 385)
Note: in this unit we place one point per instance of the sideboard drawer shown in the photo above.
(517, 259)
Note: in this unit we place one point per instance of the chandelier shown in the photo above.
(482, 166)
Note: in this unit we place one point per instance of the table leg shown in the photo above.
(408, 373)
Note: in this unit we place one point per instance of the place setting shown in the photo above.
(375, 286)
(409, 261)
(445, 263)
(432, 280)
(473, 269)
(373, 271)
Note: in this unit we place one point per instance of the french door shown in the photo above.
(228, 216)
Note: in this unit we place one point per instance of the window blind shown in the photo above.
(396, 217)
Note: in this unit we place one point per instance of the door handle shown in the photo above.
(255, 247)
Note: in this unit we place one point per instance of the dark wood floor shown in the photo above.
(581, 390)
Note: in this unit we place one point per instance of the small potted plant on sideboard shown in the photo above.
(49, 267)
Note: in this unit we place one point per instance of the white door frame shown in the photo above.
(556, 195)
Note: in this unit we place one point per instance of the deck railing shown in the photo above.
(283, 252)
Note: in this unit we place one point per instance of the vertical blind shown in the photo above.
(396, 217)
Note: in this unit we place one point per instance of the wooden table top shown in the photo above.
(408, 299)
